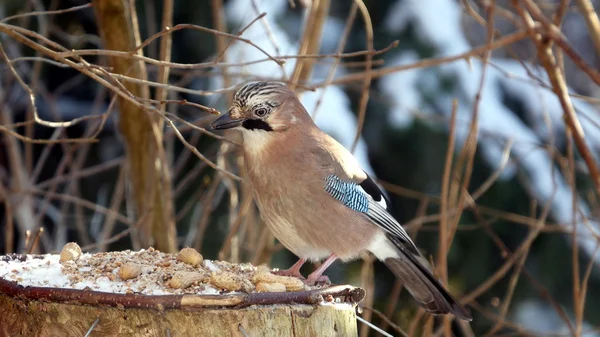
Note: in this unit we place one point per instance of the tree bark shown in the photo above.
(40, 312)
(310, 42)
(142, 130)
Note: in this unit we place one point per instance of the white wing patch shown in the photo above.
(382, 248)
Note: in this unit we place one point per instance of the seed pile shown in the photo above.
(147, 271)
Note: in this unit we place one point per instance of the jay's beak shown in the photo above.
(226, 122)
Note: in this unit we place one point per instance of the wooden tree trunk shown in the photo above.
(142, 130)
(38, 311)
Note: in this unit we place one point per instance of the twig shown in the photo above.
(85, 203)
(336, 61)
(19, 204)
(163, 189)
(89, 332)
(268, 30)
(186, 102)
(38, 13)
(182, 160)
(487, 184)
(523, 248)
(548, 30)
(207, 30)
(42, 158)
(372, 326)
(367, 280)
(115, 204)
(31, 96)
(310, 41)
(467, 155)
(214, 64)
(387, 320)
(586, 278)
(591, 19)
(444, 205)
(25, 139)
(242, 330)
(445, 223)
(200, 155)
(376, 73)
(192, 202)
(142, 131)
(9, 226)
(364, 96)
(544, 293)
(202, 130)
(27, 239)
(165, 53)
(392, 303)
(227, 243)
(198, 237)
(512, 283)
(577, 299)
(559, 86)
(86, 172)
(186, 181)
(36, 240)
(108, 241)
(560, 13)
(345, 293)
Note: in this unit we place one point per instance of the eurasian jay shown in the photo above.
(315, 198)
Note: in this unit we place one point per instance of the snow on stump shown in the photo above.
(149, 293)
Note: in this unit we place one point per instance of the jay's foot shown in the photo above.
(293, 271)
(288, 272)
(317, 276)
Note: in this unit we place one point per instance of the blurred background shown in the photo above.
(479, 118)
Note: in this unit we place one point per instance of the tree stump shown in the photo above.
(31, 310)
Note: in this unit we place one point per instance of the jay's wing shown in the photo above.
(366, 197)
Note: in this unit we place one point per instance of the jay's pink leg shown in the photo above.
(317, 275)
(293, 270)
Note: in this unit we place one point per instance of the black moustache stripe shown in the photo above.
(256, 124)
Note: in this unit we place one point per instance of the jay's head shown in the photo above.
(262, 107)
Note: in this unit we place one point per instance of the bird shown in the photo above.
(316, 199)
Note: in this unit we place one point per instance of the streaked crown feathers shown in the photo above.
(260, 92)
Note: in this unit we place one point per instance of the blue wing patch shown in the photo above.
(348, 193)
(366, 198)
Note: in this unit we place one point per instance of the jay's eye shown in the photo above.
(261, 112)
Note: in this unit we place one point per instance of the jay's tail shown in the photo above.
(423, 286)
